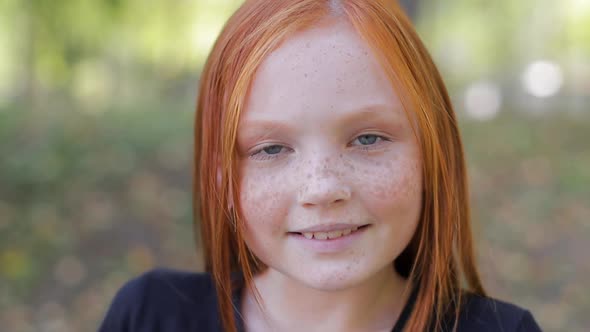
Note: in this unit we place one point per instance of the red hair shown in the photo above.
(439, 259)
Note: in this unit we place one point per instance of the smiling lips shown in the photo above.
(328, 233)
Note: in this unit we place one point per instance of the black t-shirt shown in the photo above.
(169, 300)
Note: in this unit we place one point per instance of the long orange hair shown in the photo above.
(439, 260)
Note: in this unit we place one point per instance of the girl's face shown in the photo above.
(330, 169)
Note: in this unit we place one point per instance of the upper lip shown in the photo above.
(328, 228)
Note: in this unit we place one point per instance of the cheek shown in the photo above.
(395, 185)
(262, 202)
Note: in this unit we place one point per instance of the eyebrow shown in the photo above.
(363, 114)
(370, 112)
(262, 129)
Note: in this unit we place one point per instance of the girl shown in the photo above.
(330, 185)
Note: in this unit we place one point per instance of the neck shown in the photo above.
(288, 305)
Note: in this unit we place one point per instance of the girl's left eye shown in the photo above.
(368, 140)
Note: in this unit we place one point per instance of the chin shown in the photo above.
(330, 280)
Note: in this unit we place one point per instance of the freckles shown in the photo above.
(326, 162)
(354, 264)
(259, 197)
(349, 166)
(396, 179)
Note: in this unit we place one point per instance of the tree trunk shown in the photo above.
(411, 7)
(29, 93)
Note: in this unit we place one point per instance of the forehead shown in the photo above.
(318, 46)
(326, 67)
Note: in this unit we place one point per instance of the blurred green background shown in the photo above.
(96, 109)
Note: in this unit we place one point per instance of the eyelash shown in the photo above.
(256, 154)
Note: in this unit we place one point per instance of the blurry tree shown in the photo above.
(57, 36)
(79, 47)
(477, 39)
(91, 49)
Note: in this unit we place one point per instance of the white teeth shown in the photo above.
(320, 235)
(334, 234)
(328, 235)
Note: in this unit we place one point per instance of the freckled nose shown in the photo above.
(325, 190)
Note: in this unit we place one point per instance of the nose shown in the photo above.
(323, 189)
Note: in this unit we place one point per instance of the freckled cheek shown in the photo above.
(263, 203)
(393, 185)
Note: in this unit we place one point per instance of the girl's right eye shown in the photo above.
(267, 152)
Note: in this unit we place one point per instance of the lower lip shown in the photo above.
(330, 245)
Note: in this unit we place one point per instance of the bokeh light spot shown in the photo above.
(483, 100)
(542, 79)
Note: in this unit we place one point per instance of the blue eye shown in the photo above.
(367, 139)
(273, 149)
(267, 152)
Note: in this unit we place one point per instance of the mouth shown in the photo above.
(331, 235)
